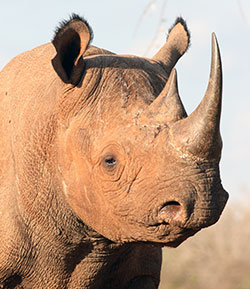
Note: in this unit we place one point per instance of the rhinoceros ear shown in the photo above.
(178, 41)
(71, 40)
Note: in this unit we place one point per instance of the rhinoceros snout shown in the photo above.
(191, 212)
(206, 210)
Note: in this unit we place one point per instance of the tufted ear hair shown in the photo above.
(71, 40)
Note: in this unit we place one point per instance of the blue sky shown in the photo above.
(26, 24)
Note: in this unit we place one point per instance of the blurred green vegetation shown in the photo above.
(215, 258)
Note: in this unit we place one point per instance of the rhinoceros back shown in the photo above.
(24, 98)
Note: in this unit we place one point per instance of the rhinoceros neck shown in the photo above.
(72, 262)
(56, 250)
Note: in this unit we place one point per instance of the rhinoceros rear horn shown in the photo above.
(176, 45)
(168, 107)
(71, 40)
(199, 133)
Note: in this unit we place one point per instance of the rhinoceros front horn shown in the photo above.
(199, 133)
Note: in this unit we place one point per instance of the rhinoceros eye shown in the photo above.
(109, 162)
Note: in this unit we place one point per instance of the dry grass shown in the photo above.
(215, 258)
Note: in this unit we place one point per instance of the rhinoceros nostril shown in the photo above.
(170, 211)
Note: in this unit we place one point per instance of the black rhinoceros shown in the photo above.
(100, 164)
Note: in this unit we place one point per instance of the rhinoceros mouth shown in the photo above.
(185, 234)
(169, 236)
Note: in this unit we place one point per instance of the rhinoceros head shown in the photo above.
(133, 165)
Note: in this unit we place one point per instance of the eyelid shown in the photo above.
(111, 173)
(106, 164)
(111, 149)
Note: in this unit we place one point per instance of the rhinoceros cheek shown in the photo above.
(91, 209)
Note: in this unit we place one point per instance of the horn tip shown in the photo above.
(213, 35)
(216, 49)
(172, 83)
(214, 40)
(173, 74)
